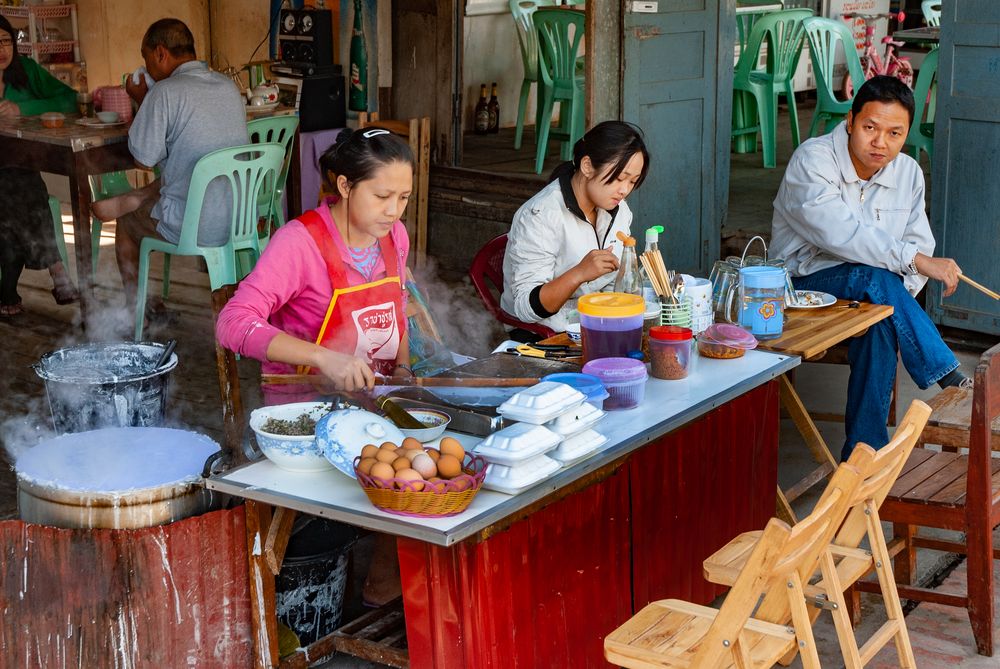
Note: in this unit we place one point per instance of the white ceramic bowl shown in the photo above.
(108, 116)
(293, 453)
(436, 422)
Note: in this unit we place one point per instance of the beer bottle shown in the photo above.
(357, 99)
(493, 108)
(482, 121)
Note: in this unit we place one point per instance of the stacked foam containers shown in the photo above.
(553, 430)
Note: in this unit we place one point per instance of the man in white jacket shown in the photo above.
(849, 220)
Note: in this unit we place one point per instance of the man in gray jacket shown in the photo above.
(850, 220)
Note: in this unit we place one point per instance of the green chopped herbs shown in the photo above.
(303, 425)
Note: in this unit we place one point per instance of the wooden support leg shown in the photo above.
(791, 401)
(264, 623)
(233, 419)
(895, 627)
(979, 543)
(906, 560)
(841, 616)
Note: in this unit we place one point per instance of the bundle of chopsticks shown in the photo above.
(658, 275)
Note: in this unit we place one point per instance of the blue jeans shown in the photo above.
(873, 356)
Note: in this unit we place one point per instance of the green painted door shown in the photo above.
(965, 207)
(677, 86)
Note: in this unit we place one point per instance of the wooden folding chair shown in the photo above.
(957, 492)
(844, 563)
(418, 132)
(675, 633)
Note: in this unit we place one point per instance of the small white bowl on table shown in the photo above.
(291, 452)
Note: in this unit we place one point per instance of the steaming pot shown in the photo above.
(117, 478)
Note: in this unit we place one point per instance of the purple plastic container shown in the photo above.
(623, 378)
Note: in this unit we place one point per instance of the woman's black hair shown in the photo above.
(608, 143)
(885, 89)
(15, 75)
(357, 154)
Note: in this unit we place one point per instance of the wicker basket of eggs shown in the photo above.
(411, 480)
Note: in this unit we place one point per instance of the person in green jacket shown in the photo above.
(27, 235)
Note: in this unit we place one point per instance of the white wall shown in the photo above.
(491, 53)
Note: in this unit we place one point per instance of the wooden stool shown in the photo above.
(675, 633)
(960, 493)
(844, 562)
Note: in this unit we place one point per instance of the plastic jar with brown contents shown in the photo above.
(669, 352)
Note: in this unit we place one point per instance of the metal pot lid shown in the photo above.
(340, 435)
(144, 462)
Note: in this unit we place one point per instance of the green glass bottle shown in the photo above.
(357, 99)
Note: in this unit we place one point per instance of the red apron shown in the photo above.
(365, 321)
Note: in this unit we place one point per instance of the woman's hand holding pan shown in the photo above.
(345, 371)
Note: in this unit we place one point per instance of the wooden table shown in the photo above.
(809, 334)
(74, 151)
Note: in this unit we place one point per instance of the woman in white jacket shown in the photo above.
(562, 243)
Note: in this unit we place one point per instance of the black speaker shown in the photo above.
(322, 103)
(306, 36)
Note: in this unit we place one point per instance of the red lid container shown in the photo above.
(669, 333)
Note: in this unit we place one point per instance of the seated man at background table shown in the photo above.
(188, 113)
(849, 220)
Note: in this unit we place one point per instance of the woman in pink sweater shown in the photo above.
(327, 293)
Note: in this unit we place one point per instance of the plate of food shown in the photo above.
(812, 299)
(92, 122)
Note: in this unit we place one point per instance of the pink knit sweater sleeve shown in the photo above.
(270, 300)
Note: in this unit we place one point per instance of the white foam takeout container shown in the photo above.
(512, 480)
(575, 420)
(541, 402)
(578, 447)
(517, 443)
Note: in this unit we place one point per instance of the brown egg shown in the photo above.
(365, 466)
(410, 442)
(400, 451)
(451, 446)
(388, 445)
(401, 463)
(385, 455)
(449, 466)
(461, 482)
(438, 485)
(425, 466)
(417, 483)
(413, 452)
(434, 453)
(382, 472)
(369, 451)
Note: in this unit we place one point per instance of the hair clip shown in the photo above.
(375, 132)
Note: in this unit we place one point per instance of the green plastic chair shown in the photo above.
(101, 186)
(277, 130)
(559, 35)
(246, 169)
(921, 135)
(758, 90)
(825, 35)
(527, 38)
(932, 12)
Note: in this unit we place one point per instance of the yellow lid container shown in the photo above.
(611, 305)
